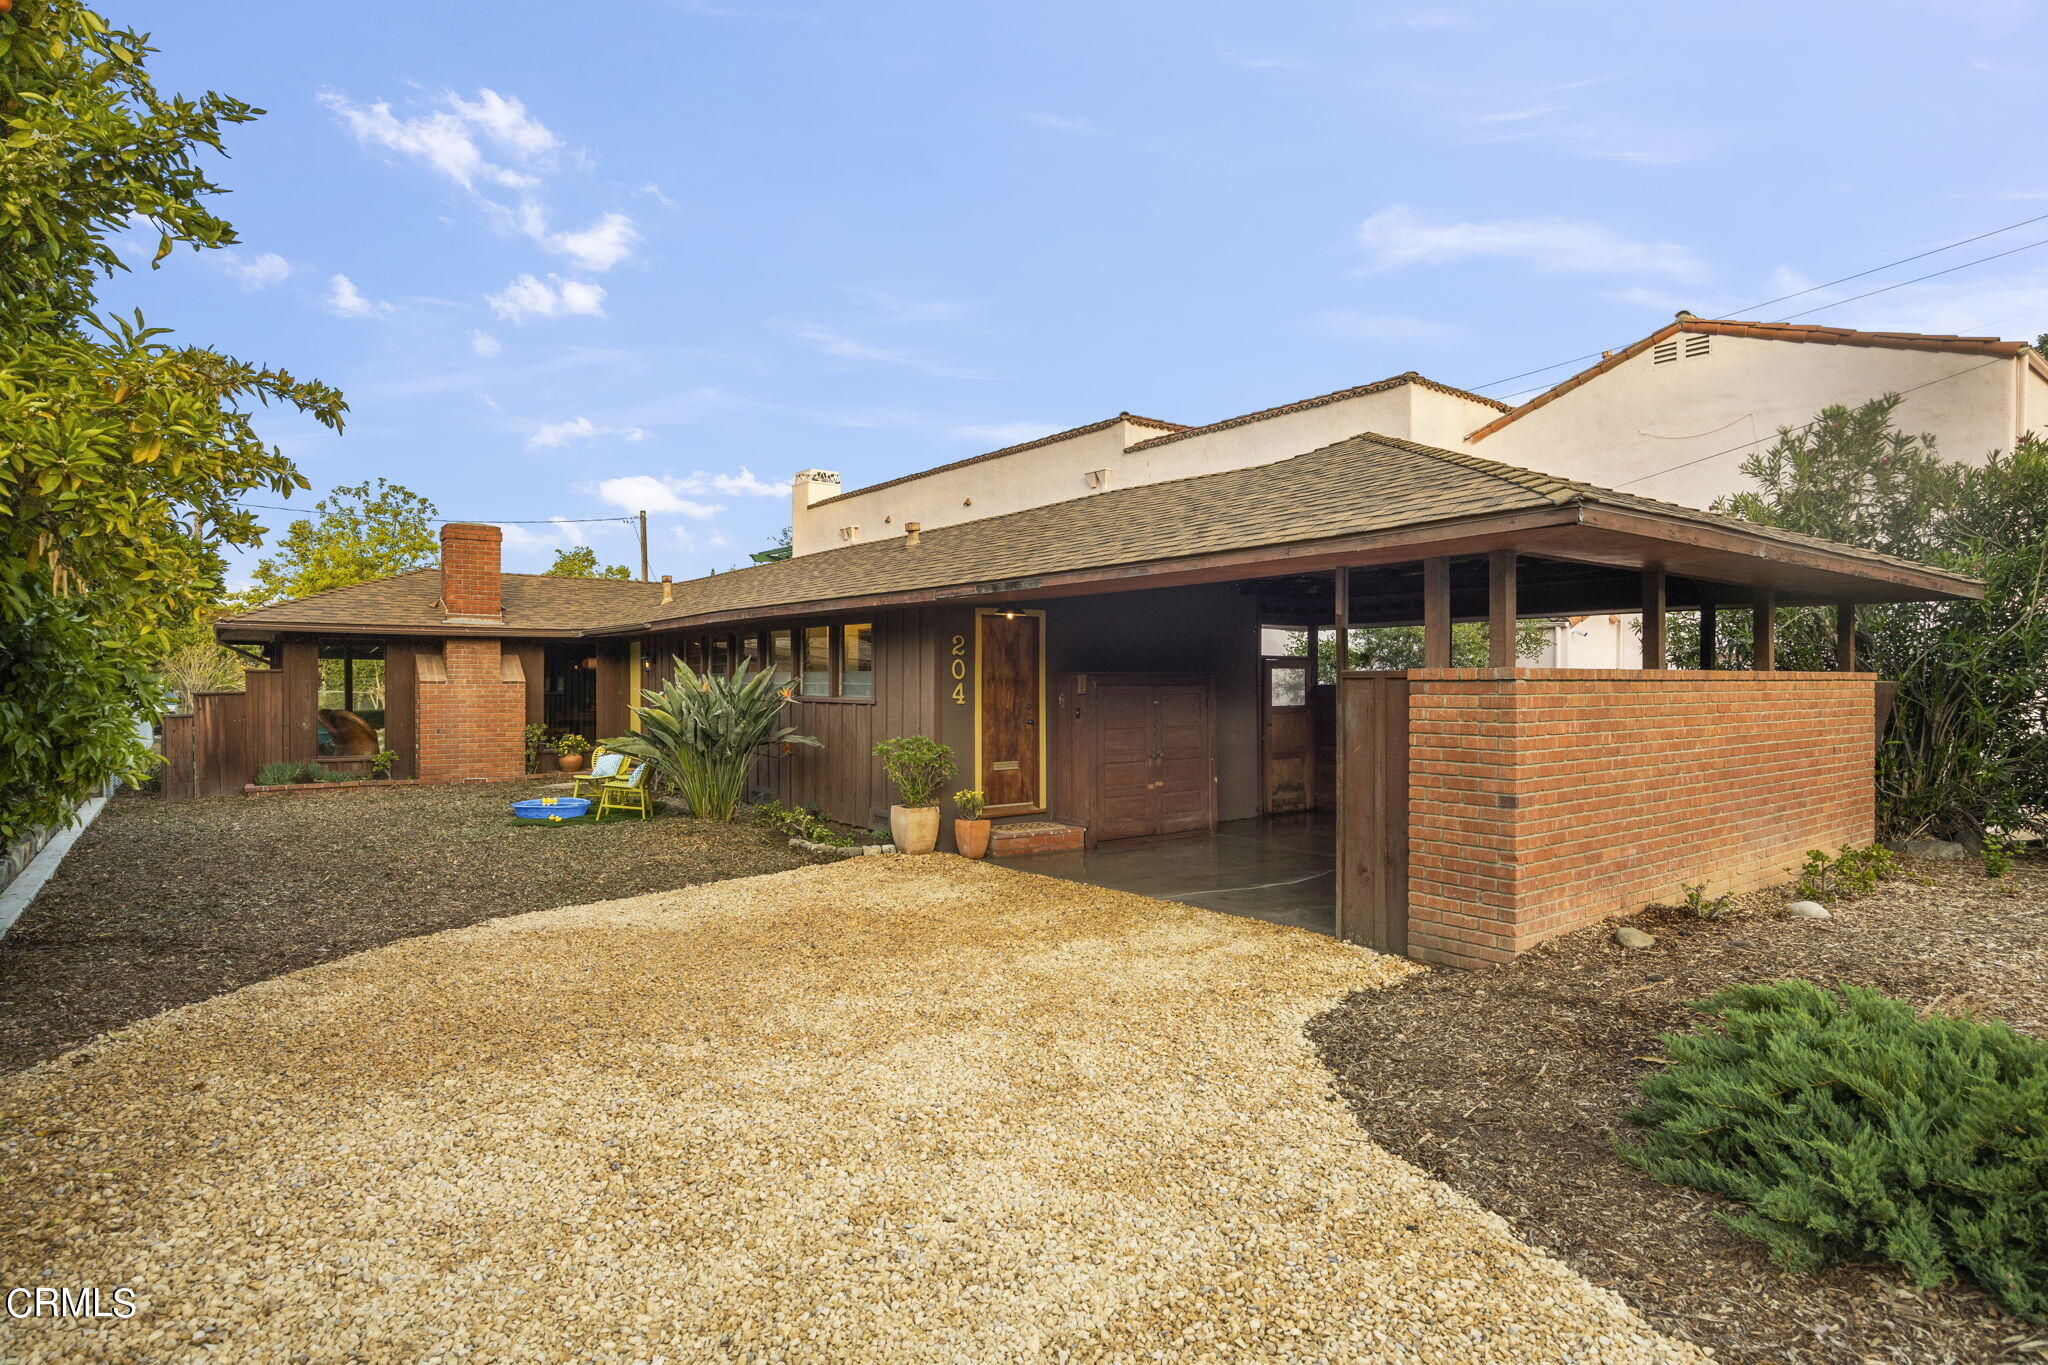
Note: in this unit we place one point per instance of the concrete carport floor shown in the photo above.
(1279, 868)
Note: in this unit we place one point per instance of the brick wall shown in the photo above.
(1541, 800)
(472, 725)
(469, 570)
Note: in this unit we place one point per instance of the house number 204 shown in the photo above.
(957, 666)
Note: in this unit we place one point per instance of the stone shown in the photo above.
(1807, 910)
(1634, 938)
(1936, 850)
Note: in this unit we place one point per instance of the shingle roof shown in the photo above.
(1763, 331)
(412, 601)
(1321, 400)
(1017, 449)
(1363, 484)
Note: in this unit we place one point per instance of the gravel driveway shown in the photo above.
(884, 1110)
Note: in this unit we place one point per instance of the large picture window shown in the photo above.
(857, 660)
(351, 702)
(827, 663)
(817, 645)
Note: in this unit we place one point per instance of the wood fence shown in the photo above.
(217, 748)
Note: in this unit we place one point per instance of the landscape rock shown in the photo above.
(1634, 938)
(1937, 850)
(1807, 910)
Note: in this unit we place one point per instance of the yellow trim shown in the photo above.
(1044, 692)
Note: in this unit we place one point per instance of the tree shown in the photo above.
(581, 562)
(1400, 647)
(1967, 744)
(358, 532)
(125, 456)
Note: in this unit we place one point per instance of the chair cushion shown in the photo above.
(607, 765)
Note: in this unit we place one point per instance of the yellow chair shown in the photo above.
(604, 767)
(627, 793)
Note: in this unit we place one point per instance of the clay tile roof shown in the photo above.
(411, 601)
(1765, 331)
(1017, 449)
(1363, 484)
(1322, 400)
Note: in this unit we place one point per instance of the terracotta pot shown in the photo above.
(971, 837)
(914, 829)
(569, 763)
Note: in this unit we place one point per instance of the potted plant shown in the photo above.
(569, 751)
(970, 831)
(381, 761)
(920, 768)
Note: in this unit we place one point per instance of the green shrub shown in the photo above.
(2001, 850)
(571, 744)
(278, 774)
(702, 733)
(382, 761)
(1853, 1128)
(918, 766)
(1700, 905)
(969, 804)
(1851, 873)
(536, 743)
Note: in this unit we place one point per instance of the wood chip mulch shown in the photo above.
(1509, 1085)
(161, 903)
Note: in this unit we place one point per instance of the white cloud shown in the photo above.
(484, 344)
(1347, 325)
(255, 272)
(344, 300)
(553, 297)
(650, 190)
(1397, 236)
(1062, 123)
(646, 493)
(600, 246)
(552, 434)
(744, 484)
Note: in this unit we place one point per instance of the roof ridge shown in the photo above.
(1320, 400)
(1519, 476)
(1017, 449)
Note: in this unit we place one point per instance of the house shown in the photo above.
(1096, 664)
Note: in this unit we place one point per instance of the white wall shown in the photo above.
(1676, 422)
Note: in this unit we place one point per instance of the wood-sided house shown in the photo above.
(1096, 665)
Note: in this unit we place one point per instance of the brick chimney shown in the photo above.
(470, 591)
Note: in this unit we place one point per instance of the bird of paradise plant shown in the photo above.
(702, 732)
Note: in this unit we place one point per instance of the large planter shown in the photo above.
(569, 763)
(971, 837)
(914, 829)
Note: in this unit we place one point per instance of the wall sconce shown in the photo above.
(590, 663)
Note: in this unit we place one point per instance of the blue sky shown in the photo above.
(568, 261)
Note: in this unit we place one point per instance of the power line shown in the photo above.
(496, 521)
(1916, 279)
(1798, 293)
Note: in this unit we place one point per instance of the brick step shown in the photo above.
(1035, 836)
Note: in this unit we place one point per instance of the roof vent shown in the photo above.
(849, 533)
(668, 588)
(1097, 478)
(1664, 352)
(912, 531)
(1697, 344)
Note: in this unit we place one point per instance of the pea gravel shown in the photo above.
(887, 1109)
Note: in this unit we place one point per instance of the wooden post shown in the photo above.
(1763, 631)
(1436, 613)
(643, 547)
(1655, 652)
(1709, 631)
(1500, 609)
(1845, 637)
(1343, 577)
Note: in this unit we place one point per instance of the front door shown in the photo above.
(1009, 749)
(1288, 737)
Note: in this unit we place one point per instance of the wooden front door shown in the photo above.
(1009, 747)
(1287, 737)
(1155, 770)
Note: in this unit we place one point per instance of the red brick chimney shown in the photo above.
(469, 572)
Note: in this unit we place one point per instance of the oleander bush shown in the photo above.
(1852, 1128)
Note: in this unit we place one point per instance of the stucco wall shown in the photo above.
(1675, 423)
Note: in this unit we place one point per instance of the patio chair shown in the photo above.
(603, 768)
(627, 793)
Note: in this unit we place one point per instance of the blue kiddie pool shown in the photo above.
(552, 808)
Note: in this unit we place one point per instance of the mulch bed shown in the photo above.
(1509, 1085)
(161, 903)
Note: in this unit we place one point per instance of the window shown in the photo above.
(750, 653)
(351, 700)
(693, 655)
(817, 644)
(1290, 686)
(782, 655)
(721, 656)
(857, 661)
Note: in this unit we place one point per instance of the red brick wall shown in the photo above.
(1541, 800)
(472, 725)
(469, 569)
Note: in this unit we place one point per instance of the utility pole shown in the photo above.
(643, 547)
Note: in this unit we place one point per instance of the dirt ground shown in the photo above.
(161, 903)
(1509, 1085)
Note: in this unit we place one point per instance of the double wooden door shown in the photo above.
(1155, 769)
